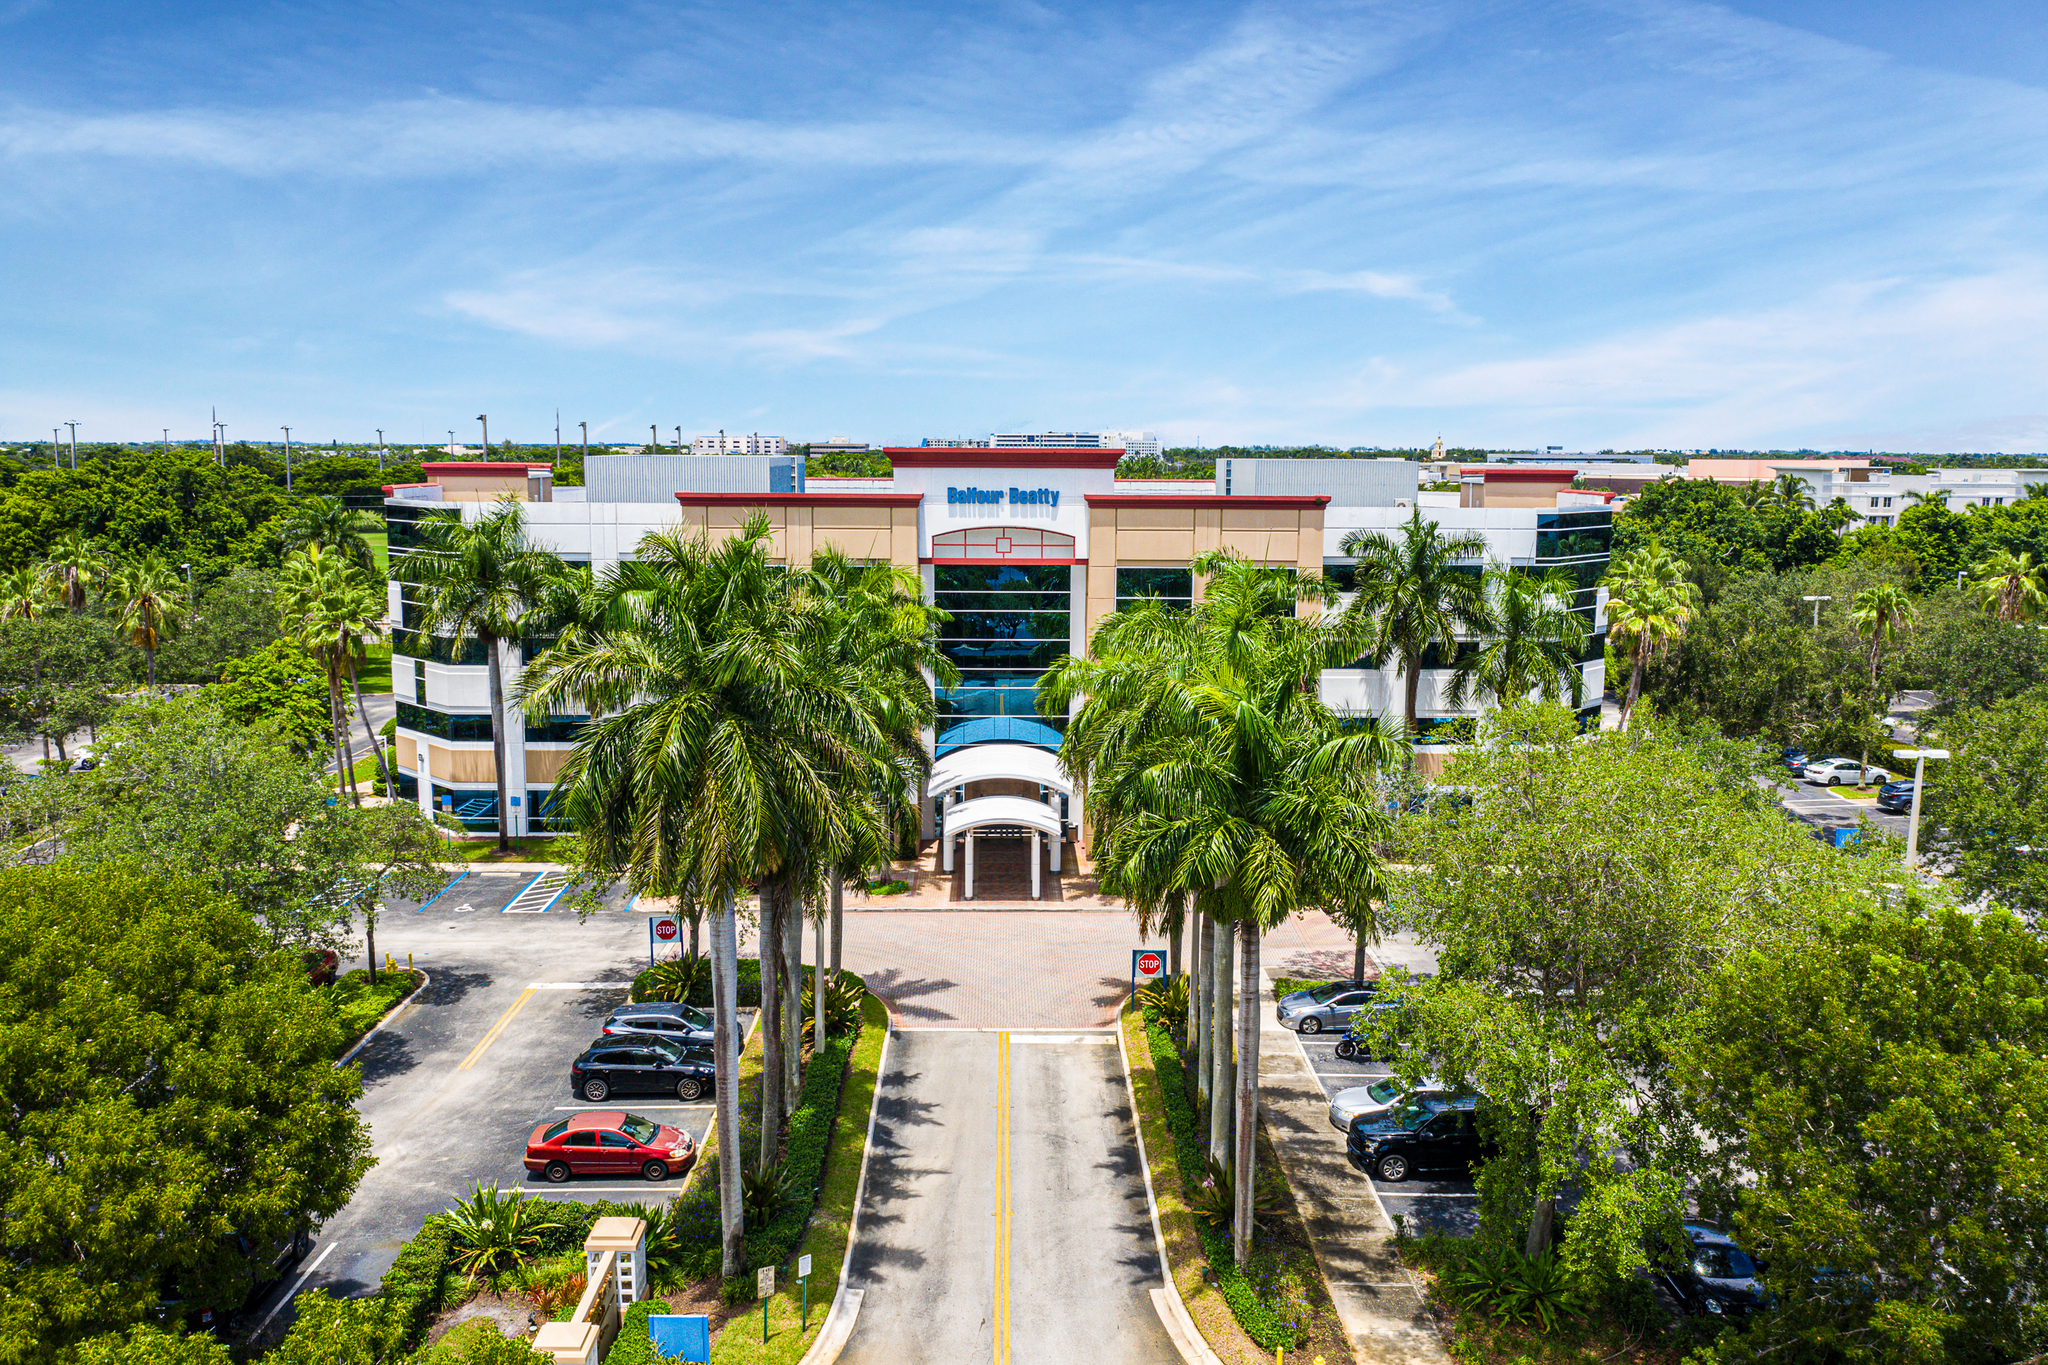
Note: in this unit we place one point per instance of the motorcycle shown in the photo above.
(1351, 1046)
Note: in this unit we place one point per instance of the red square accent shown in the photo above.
(1002, 545)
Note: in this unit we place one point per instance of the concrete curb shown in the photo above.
(390, 1014)
(838, 1329)
(1166, 1301)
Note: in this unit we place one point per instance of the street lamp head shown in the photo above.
(1919, 753)
(1817, 599)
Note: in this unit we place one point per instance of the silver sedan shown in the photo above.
(1370, 1101)
(1323, 1007)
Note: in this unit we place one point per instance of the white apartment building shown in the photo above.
(753, 443)
(1130, 442)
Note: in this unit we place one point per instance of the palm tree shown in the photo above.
(1756, 495)
(1940, 495)
(24, 593)
(1217, 777)
(1879, 612)
(1416, 593)
(2010, 585)
(477, 581)
(1838, 515)
(338, 613)
(148, 593)
(723, 747)
(1536, 643)
(334, 526)
(1650, 604)
(74, 564)
(1791, 492)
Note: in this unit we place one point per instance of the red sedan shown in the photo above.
(608, 1142)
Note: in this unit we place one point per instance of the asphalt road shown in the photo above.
(1448, 1206)
(455, 1083)
(1004, 1217)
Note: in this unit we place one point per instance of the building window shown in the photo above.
(418, 644)
(1873, 502)
(1002, 543)
(1010, 623)
(554, 729)
(1168, 587)
(443, 724)
(473, 810)
(545, 814)
(402, 525)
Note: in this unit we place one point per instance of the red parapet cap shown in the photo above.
(483, 468)
(1296, 502)
(689, 499)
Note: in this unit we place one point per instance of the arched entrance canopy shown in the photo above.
(993, 762)
(1006, 811)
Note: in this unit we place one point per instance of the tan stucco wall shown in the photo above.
(408, 753)
(888, 534)
(1171, 536)
(455, 488)
(462, 765)
(544, 766)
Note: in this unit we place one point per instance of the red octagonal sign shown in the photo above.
(664, 929)
(1150, 964)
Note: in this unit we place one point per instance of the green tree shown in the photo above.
(172, 1090)
(148, 596)
(1216, 777)
(58, 675)
(2011, 586)
(1986, 808)
(1650, 604)
(1881, 612)
(1874, 1109)
(236, 616)
(1579, 905)
(1968, 658)
(722, 749)
(329, 524)
(1534, 645)
(74, 566)
(337, 612)
(148, 1345)
(477, 580)
(1417, 594)
(281, 686)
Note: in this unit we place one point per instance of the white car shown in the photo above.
(1371, 1101)
(1837, 772)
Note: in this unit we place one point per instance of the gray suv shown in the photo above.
(1324, 1007)
(678, 1023)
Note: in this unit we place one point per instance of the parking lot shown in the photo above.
(1450, 1206)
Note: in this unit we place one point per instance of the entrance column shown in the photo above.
(969, 837)
(947, 851)
(1034, 864)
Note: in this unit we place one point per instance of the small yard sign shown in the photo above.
(1147, 966)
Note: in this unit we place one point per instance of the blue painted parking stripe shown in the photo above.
(443, 891)
(522, 891)
(560, 892)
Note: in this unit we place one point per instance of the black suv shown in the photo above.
(1712, 1276)
(642, 1064)
(1896, 797)
(1426, 1138)
(681, 1023)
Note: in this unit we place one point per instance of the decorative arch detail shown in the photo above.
(1023, 544)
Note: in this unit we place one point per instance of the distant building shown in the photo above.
(955, 442)
(754, 443)
(839, 445)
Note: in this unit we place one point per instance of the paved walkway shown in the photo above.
(1375, 1298)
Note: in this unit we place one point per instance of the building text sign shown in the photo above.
(1046, 497)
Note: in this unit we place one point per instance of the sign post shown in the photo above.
(662, 929)
(1147, 966)
(803, 1274)
(764, 1285)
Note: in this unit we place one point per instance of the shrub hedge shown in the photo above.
(1260, 1323)
(700, 994)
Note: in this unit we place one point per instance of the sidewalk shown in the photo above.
(1376, 1299)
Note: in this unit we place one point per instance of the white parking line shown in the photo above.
(593, 1108)
(1429, 1194)
(325, 1252)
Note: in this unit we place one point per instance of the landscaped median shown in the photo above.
(362, 1004)
(1279, 1300)
(822, 1150)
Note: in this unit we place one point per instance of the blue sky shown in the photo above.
(1581, 224)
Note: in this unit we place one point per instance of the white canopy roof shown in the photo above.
(988, 762)
(1002, 810)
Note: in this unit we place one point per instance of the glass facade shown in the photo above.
(418, 644)
(442, 724)
(1010, 623)
(1002, 543)
(1578, 545)
(473, 810)
(554, 729)
(402, 524)
(1169, 587)
(544, 814)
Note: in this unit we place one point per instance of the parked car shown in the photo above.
(1321, 1007)
(1795, 760)
(608, 1142)
(1429, 1138)
(1834, 772)
(1371, 1101)
(642, 1064)
(1896, 797)
(683, 1023)
(1712, 1276)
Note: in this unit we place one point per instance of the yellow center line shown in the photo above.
(1002, 1313)
(496, 1029)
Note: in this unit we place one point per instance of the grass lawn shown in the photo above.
(1287, 985)
(485, 850)
(361, 1004)
(831, 1221)
(374, 672)
(379, 547)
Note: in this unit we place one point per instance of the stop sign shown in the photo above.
(664, 929)
(1147, 965)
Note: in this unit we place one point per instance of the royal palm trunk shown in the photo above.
(725, 989)
(792, 998)
(1221, 1073)
(1247, 1091)
(771, 1032)
(1199, 993)
(497, 673)
(838, 919)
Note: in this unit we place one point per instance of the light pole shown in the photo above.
(220, 436)
(1816, 608)
(191, 595)
(74, 443)
(56, 447)
(167, 440)
(586, 439)
(679, 440)
(653, 439)
(1919, 757)
(380, 450)
(487, 434)
(287, 458)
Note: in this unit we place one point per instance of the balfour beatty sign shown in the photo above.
(1049, 497)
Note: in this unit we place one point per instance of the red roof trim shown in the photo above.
(482, 468)
(1519, 474)
(1298, 502)
(1013, 559)
(1009, 457)
(799, 499)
